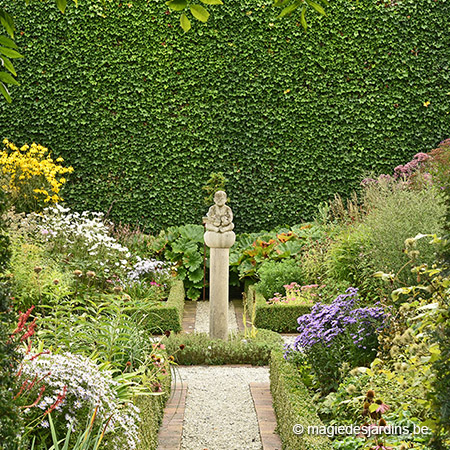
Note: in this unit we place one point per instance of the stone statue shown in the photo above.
(220, 217)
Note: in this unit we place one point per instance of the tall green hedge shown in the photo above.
(144, 113)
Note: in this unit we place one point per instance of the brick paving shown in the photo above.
(190, 308)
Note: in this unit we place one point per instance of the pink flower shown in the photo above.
(421, 156)
(383, 408)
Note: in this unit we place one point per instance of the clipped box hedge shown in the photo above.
(280, 317)
(200, 349)
(152, 411)
(167, 315)
(293, 405)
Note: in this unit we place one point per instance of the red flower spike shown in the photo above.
(58, 401)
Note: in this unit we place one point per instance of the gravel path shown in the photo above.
(202, 318)
(220, 414)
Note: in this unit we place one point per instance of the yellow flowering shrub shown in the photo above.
(30, 176)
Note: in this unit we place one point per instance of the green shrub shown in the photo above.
(348, 262)
(36, 278)
(151, 415)
(10, 423)
(9, 413)
(398, 215)
(293, 405)
(280, 317)
(274, 275)
(166, 315)
(199, 348)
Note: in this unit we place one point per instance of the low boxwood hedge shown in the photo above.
(293, 405)
(167, 315)
(280, 317)
(199, 348)
(151, 414)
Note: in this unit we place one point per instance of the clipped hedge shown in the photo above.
(293, 405)
(200, 349)
(151, 414)
(167, 315)
(280, 317)
(144, 112)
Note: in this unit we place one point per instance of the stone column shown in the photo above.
(220, 244)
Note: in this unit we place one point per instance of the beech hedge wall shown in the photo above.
(145, 112)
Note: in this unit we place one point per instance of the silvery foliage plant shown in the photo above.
(86, 388)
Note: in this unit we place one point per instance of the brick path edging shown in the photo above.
(267, 422)
(171, 430)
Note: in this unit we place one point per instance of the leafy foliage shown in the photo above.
(9, 414)
(184, 247)
(7, 52)
(275, 275)
(199, 348)
(154, 111)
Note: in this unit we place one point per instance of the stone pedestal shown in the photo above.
(219, 244)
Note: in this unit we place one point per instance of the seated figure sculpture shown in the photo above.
(219, 217)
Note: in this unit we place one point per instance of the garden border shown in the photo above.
(293, 405)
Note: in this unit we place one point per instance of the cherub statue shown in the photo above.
(220, 217)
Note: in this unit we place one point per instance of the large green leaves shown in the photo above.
(289, 8)
(199, 12)
(6, 52)
(177, 5)
(185, 23)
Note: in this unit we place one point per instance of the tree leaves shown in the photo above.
(199, 12)
(61, 4)
(177, 5)
(185, 23)
(290, 8)
(317, 7)
(6, 49)
(7, 22)
(10, 53)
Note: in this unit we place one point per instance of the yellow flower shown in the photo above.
(59, 159)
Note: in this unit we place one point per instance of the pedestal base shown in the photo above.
(219, 244)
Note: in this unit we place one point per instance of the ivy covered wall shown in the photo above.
(144, 113)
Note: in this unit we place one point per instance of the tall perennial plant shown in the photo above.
(343, 331)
